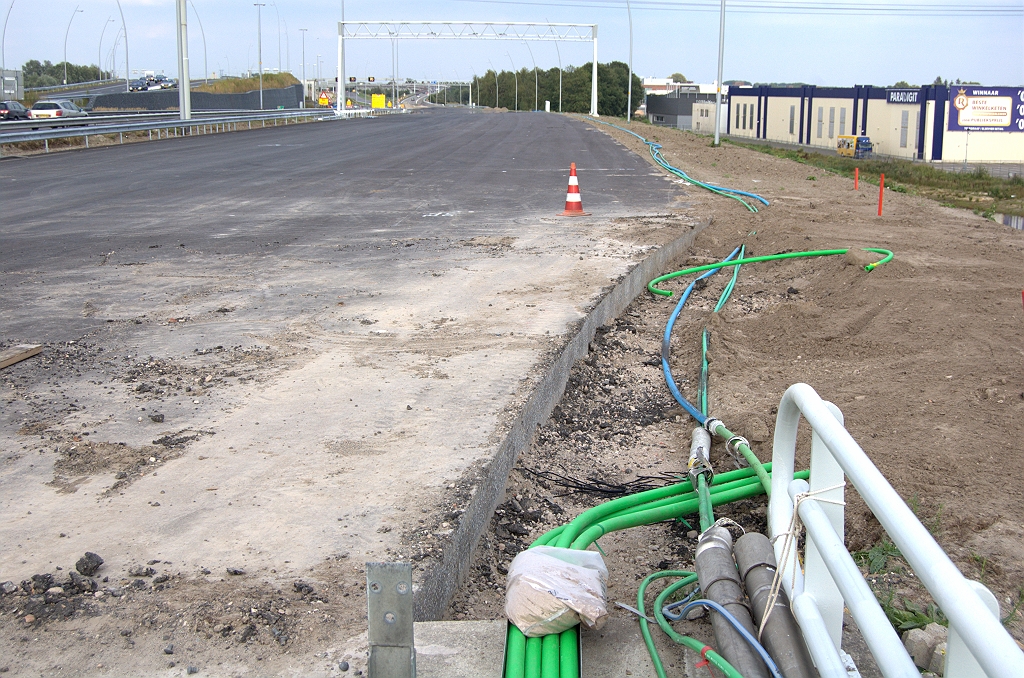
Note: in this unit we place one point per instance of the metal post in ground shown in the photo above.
(718, 83)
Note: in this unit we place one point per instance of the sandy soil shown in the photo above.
(923, 355)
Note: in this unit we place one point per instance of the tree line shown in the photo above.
(501, 89)
(46, 74)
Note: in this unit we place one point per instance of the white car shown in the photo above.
(55, 109)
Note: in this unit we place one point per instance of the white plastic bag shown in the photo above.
(551, 589)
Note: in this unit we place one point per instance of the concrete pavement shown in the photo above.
(337, 323)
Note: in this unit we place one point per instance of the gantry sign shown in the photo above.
(464, 30)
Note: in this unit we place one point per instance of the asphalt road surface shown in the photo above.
(263, 348)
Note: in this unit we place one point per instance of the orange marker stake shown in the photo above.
(881, 193)
(856, 178)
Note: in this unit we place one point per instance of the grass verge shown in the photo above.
(243, 85)
(977, 191)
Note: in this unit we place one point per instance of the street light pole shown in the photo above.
(127, 69)
(259, 44)
(516, 76)
(66, 43)
(184, 84)
(718, 84)
(274, 5)
(559, 53)
(303, 31)
(99, 50)
(340, 89)
(3, 47)
(206, 65)
(536, 81)
(629, 96)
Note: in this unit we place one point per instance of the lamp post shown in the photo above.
(535, 78)
(259, 44)
(718, 84)
(274, 5)
(339, 91)
(66, 43)
(495, 83)
(206, 65)
(287, 48)
(559, 53)
(184, 85)
(303, 31)
(99, 50)
(3, 47)
(516, 76)
(629, 96)
(127, 69)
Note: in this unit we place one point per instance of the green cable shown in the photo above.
(762, 473)
(656, 515)
(568, 654)
(655, 151)
(549, 655)
(707, 515)
(643, 508)
(692, 643)
(651, 286)
(515, 653)
(533, 657)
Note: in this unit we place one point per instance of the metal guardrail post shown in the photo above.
(390, 616)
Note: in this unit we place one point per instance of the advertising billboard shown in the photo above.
(973, 108)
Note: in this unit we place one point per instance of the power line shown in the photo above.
(792, 7)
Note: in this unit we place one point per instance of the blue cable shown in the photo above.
(667, 610)
(656, 153)
(666, 344)
(739, 628)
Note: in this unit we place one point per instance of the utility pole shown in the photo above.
(303, 31)
(629, 97)
(184, 84)
(127, 70)
(259, 44)
(718, 84)
(66, 43)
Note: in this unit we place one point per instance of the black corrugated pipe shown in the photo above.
(781, 635)
(720, 582)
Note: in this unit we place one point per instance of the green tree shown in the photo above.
(679, 77)
(48, 74)
(902, 83)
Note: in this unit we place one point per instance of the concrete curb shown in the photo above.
(438, 584)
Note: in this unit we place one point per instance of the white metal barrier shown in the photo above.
(978, 645)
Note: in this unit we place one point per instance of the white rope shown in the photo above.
(792, 535)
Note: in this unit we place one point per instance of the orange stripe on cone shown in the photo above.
(573, 199)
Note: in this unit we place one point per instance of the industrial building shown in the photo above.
(676, 109)
(958, 123)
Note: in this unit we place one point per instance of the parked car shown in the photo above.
(55, 109)
(12, 110)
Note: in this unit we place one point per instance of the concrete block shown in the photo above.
(938, 663)
(920, 643)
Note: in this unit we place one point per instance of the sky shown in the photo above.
(821, 42)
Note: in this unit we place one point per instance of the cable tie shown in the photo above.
(711, 425)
